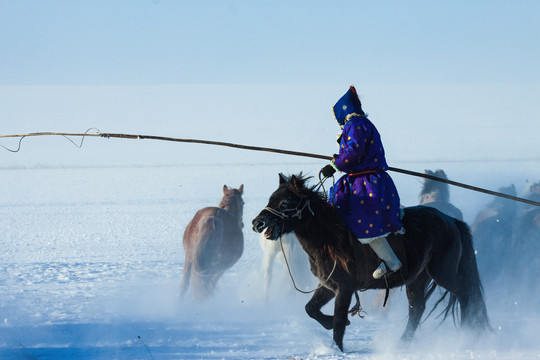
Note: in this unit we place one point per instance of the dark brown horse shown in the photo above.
(493, 229)
(213, 243)
(437, 250)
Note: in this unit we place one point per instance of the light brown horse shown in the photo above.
(213, 243)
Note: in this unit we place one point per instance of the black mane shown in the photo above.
(298, 186)
(334, 236)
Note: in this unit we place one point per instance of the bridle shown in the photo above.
(297, 211)
(291, 213)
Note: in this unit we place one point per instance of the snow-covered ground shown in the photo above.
(92, 259)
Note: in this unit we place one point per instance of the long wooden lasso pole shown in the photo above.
(266, 149)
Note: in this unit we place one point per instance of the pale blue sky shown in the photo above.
(258, 41)
(451, 84)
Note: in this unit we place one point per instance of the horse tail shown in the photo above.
(469, 295)
(206, 255)
(477, 314)
(473, 309)
(450, 307)
(209, 244)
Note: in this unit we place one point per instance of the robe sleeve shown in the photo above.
(352, 147)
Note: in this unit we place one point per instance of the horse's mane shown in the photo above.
(440, 189)
(339, 246)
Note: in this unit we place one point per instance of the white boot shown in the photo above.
(387, 255)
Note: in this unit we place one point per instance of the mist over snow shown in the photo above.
(92, 258)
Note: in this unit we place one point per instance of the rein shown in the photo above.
(297, 212)
(292, 278)
(320, 184)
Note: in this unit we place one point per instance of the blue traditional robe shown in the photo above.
(365, 197)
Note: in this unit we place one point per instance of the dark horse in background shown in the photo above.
(493, 230)
(213, 243)
(524, 260)
(437, 194)
(437, 250)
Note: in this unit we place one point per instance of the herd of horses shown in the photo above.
(437, 250)
(507, 238)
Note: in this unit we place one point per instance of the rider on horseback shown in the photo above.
(365, 197)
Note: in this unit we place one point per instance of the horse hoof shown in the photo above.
(328, 326)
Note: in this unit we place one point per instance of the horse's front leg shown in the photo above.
(341, 312)
(313, 308)
(270, 253)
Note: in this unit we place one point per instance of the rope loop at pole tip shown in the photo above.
(66, 135)
(257, 148)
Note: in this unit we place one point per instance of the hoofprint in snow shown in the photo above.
(92, 260)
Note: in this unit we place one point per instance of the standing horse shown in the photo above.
(213, 243)
(437, 250)
(437, 194)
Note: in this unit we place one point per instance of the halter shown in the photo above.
(296, 212)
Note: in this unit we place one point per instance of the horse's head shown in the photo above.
(433, 190)
(502, 203)
(285, 209)
(531, 191)
(232, 201)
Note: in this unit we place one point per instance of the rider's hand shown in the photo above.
(328, 171)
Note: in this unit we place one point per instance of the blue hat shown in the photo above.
(347, 105)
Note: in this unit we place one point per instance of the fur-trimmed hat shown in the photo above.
(349, 105)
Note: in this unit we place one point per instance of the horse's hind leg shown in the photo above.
(313, 308)
(416, 294)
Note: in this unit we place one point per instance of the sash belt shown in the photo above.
(364, 172)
